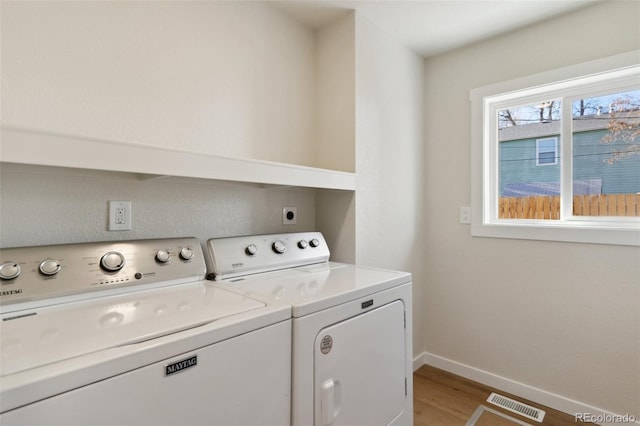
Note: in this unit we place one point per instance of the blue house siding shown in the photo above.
(590, 161)
(519, 173)
(517, 164)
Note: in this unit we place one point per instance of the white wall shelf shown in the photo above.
(25, 146)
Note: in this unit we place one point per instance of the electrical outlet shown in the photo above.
(289, 215)
(465, 214)
(119, 216)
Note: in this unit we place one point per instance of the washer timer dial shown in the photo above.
(9, 271)
(49, 267)
(112, 261)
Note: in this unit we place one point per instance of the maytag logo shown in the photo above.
(10, 292)
(366, 304)
(181, 365)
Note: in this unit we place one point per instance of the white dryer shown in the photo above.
(352, 350)
(129, 332)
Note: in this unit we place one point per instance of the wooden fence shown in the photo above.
(548, 207)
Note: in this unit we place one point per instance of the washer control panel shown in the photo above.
(44, 273)
(237, 256)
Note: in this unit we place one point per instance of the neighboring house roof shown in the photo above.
(580, 187)
(552, 128)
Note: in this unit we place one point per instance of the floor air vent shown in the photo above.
(516, 407)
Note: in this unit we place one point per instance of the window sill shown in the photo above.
(563, 232)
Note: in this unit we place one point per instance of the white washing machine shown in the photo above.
(126, 333)
(352, 356)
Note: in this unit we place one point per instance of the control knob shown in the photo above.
(186, 253)
(251, 250)
(9, 270)
(303, 244)
(112, 261)
(163, 256)
(49, 267)
(279, 247)
(314, 242)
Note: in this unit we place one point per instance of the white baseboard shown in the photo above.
(419, 361)
(549, 399)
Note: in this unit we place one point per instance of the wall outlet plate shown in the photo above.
(465, 214)
(289, 215)
(119, 216)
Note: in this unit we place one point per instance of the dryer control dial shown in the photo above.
(163, 256)
(314, 242)
(112, 261)
(49, 267)
(9, 271)
(251, 250)
(186, 253)
(279, 247)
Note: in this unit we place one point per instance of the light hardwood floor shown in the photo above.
(444, 399)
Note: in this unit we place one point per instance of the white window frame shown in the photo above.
(555, 151)
(619, 72)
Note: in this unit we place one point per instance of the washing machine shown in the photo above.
(351, 332)
(130, 332)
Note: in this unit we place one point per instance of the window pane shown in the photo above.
(606, 155)
(547, 157)
(529, 169)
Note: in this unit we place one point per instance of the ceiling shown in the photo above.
(430, 27)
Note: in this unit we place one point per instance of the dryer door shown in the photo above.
(359, 374)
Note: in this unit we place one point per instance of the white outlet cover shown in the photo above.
(465, 214)
(119, 216)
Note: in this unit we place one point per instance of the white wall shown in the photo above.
(560, 317)
(390, 197)
(228, 78)
(335, 93)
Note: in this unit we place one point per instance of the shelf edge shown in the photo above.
(34, 147)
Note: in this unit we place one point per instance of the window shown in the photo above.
(556, 156)
(546, 151)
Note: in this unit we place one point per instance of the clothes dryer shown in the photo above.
(352, 356)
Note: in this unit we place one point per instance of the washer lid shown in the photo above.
(313, 288)
(50, 335)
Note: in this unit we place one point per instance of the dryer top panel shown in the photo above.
(312, 288)
(253, 254)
